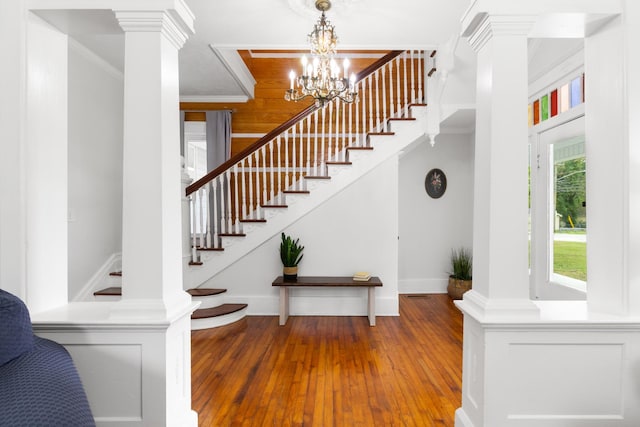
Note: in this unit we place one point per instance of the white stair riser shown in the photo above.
(210, 301)
(107, 297)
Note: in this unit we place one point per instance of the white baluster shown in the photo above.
(413, 85)
(322, 152)
(286, 160)
(192, 205)
(370, 79)
(201, 233)
(228, 195)
(343, 147)
(316, 154)
(406, 95)
(384, 99)
(264, 174)
(236, 196)
(208, 215)
(245, 214)
(293, 157)
(255, 175)
(215, 215)
(358, 141)
(252, 208)
(336, 149)
(280, 188)
(329, 135)
(420, 73)
(308, 119)
(350, 142)
(223, 207)
(377, 90)
(300, 154)
(391, 105)
(272, 193)
(399, 107)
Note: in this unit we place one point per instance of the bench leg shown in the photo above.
(371, 311)
(284, 304)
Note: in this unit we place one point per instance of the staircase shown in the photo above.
(213, 310)
(293, 170)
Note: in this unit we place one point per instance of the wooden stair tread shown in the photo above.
(339, 163)
(317, 177)
(381, 133)
(402, 119)
(220, 310)
(112, 291)
(209, 249)
(116, 273)
(253, 220)
(359, 148)
(232, 235)
(274, 206)
(296, 192)
(205, 292)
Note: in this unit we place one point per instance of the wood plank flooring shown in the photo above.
(332, 371)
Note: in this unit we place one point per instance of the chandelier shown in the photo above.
(322, 78)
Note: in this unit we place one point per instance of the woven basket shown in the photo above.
(456, 287)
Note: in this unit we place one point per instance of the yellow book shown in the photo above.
(362, 276)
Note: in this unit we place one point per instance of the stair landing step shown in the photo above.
(195, 292)
(205, 292)
(114, 290)
(220, 310)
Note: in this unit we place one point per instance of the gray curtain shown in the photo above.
(218, 138)
(218, 151)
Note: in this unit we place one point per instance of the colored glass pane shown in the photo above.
(564, 98)
(576, 92)
(530, 115)
(554, 102)
(544, 107)
(536, 112)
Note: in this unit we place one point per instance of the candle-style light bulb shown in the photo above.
(346, 64)
(292, 76)
(304, 65)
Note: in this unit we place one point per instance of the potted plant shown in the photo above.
(460, 276)
(290, 255)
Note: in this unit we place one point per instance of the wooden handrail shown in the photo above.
(283, 127)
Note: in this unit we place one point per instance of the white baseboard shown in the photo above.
(422, 286)
(462, 420)
(99, 279)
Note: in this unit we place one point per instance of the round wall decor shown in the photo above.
(435, 183)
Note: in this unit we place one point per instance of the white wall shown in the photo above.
(355, 230)
(431, 228)
(12, 203)
(95, 164)
(45, 163)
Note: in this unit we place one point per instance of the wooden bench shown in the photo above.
(324, 281)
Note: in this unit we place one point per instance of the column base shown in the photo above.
(135, 371)
(485, 309)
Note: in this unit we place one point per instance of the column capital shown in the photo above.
(484, 26)
(175, 24)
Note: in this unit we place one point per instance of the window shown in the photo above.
(568, 199)
(558, 198)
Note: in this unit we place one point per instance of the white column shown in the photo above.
(613, 166)
(500, 224)
(152, 224)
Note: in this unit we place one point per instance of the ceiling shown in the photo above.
(274, 24)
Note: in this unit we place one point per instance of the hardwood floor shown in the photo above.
(332, 371)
